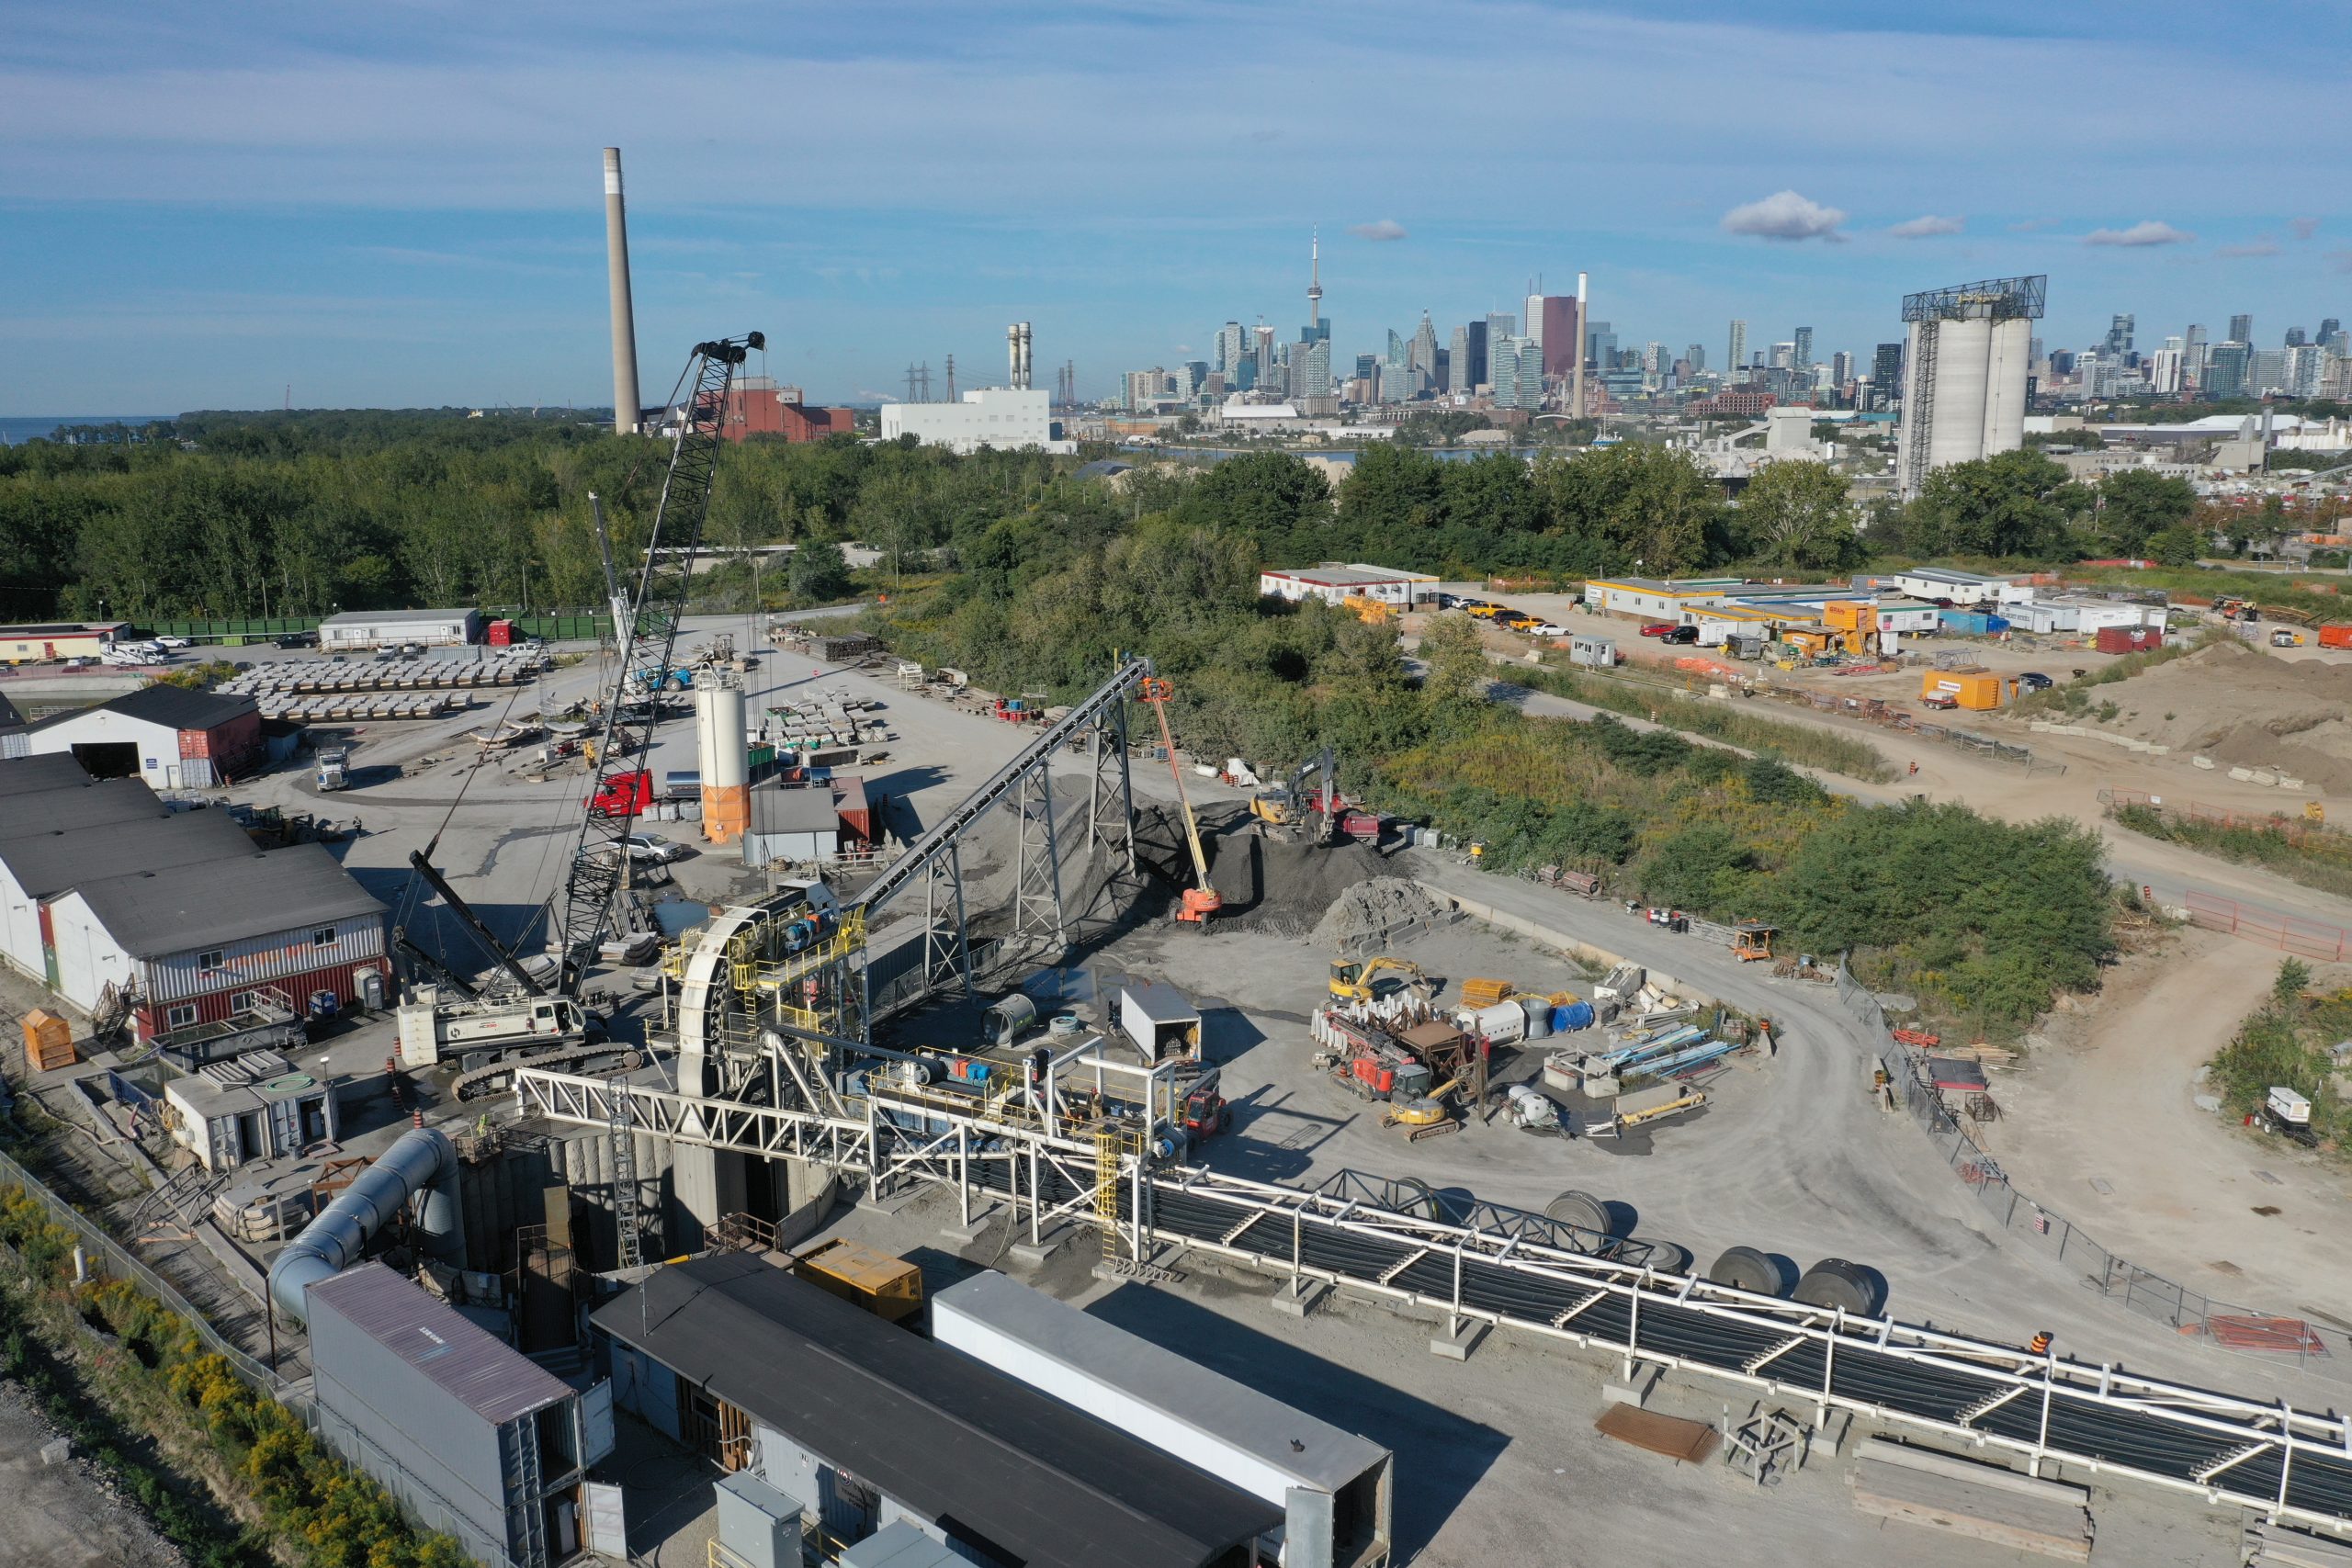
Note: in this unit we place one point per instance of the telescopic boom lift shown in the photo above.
(1201, 901)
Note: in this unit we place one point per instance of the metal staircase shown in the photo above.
(528, 1527)
(630, 1253)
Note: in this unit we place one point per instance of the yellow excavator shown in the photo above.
(1362, 979)
(1289, 807)
(1425, 1116)
(1202, 899)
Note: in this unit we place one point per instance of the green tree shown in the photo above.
(1454, 685)
(1393, 492)
(1799, 514)
(819, 572)
(2175, 546)
(1272, 498)
(2135, 505)
(2014, 503)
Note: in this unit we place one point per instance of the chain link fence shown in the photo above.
(2223, 1326)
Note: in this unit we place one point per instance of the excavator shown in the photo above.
(1423, 1116)
(1287, 807)
(1202, 899)
(1361, 980)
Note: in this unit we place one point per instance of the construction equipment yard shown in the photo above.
(1001, 854)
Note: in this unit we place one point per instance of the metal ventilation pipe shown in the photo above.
(423, 1160)
(625, 403)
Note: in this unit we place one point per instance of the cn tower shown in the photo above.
(1315, 281)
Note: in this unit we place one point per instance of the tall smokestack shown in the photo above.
(625, 403)
(1026, 367)
(1013, 354)
(1576, 374)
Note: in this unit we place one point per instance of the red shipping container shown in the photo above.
(2129, 640)
(501, 634)
(2335, 637)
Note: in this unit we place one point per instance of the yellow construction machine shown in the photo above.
(1292, 810)
(1425, 1116)
(1752, 939)
(1362, 979)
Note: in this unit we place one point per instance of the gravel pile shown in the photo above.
(1371, 910)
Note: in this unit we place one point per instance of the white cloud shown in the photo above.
(2147, 232)
(2302, 227)
(1784, 216)
(2260, 245)
(1926, 227)
(1383, 229)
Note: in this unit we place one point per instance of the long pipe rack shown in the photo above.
(911, 867)
(1502, 1267)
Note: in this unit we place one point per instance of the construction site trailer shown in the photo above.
(1337, 1490)
(389, 628)
(1160, 1021)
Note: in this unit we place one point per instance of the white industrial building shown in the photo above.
(1008, 419)
(1964, 373)
(1334, 584)
(389, 628)
(169, 736)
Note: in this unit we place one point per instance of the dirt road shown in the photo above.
(2103, 1126)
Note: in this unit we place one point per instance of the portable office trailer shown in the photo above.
(389, 628)
(468, 1433)
(1599, 653)
(1335, 1489)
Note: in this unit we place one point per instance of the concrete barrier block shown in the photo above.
(2242, 775)
(2205, 762)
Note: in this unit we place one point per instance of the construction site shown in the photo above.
(792, 1105)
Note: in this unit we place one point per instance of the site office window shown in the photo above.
(179, 1015)
(211, 960)
(322, 937)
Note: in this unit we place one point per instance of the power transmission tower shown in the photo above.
(922, 377)
(951, 377)
(911, 383)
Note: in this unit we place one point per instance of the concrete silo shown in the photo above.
(1964, 379)
(723, 747)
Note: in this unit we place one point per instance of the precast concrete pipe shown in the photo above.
(424, 1161)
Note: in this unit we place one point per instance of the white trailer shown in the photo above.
(1337, 1490)
(1160, 1021)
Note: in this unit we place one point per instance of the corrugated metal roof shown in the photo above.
(1162, 1002)
(807, 808)
(1287, 1440)
(395, 617)
(44, 863)
(93, 803)
(900, 1545)
(177, 707)
(176, 909)
(928, 1427)
(490, 1378)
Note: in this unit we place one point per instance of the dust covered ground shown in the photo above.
(2243, 708)
(64, 1516)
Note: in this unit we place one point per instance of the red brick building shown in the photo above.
(757, 406)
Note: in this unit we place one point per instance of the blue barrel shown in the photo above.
(1571, 1015)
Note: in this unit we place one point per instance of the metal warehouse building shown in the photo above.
(867, 1426)
(173, 737)
(472, 1437)
(108, 893)
(389, 628)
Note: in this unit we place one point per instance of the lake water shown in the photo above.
(17, 428)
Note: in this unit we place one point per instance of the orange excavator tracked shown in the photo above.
(1201, 901)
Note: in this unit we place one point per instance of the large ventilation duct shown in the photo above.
(423, 1161)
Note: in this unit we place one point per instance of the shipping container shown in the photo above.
(2335, 637)
(1977, 690)
(2128, 639)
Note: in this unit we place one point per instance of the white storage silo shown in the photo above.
(722, 747)
(1963, 356)
(2012, 353)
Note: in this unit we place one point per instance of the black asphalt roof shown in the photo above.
(9, 718)
(179, 707)
(180, 909)
(941, 1433)
(88, 804)
(46, 770)
(44, 863)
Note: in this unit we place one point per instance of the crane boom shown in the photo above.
(1202, 899)
(645, 635)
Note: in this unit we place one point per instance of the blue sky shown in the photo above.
(401, 204)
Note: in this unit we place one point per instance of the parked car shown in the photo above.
(1656, 628)
(1942, 702)
(1448, 602)
(1682, 635)
(1546, 628)
(299, 639)
(411, 650)
(651, 849)
(2035, 681)
(167, 640)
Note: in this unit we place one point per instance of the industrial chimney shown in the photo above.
(1584, 336)
(625, 403)
(1021, 377)
(1013, 354)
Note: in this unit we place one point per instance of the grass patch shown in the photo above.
(2316, 859)
(1799, 743)
(2284, 1042)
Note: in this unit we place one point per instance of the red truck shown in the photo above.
(623, 794)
